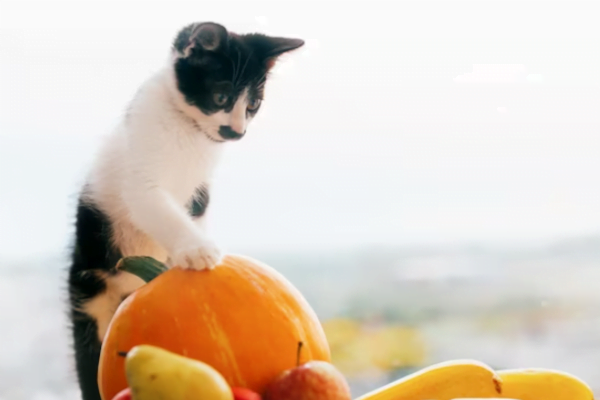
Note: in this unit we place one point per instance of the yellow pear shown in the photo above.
(157, 374)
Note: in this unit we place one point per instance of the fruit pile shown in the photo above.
(243, 332)
(155, 374)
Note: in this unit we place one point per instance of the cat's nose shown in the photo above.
(227, 133)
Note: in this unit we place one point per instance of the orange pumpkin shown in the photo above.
(243, 318)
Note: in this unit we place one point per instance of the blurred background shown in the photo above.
(426, 173)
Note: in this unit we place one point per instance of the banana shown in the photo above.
(443, 381)
(546, 384)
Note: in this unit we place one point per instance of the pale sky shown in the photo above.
(369, 135)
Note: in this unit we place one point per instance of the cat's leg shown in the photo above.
(93, 259)
(198, 208)
(155, 211)
(87, 354)
(95, 296)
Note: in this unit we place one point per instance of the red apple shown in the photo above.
(244, 394)
(124, 394)
(314, 380)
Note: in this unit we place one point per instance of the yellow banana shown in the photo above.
(444, 381)
(536, 384)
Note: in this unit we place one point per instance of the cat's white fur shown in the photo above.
(146, 173)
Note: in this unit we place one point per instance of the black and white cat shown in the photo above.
(148, 190)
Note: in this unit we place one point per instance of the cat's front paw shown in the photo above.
(202, 255)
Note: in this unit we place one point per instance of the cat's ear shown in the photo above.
(206, 36)
(276, 46)
(270, 48)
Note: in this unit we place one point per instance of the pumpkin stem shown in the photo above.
(298, 354)
(146, 268)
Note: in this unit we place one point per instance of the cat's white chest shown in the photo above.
(190, 165)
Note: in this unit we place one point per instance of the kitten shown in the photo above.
(148, 190)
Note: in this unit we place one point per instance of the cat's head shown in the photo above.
(221, 75)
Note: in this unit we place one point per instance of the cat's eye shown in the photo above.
(220, 98)
(254, 104)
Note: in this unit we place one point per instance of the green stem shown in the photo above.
(146, 268)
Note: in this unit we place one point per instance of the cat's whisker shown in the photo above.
(236, 66)
(246, 63)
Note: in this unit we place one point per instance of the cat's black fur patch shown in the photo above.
(199, 202)
(93, 247)
(87, 354)
(93, 254)
(213, 60)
